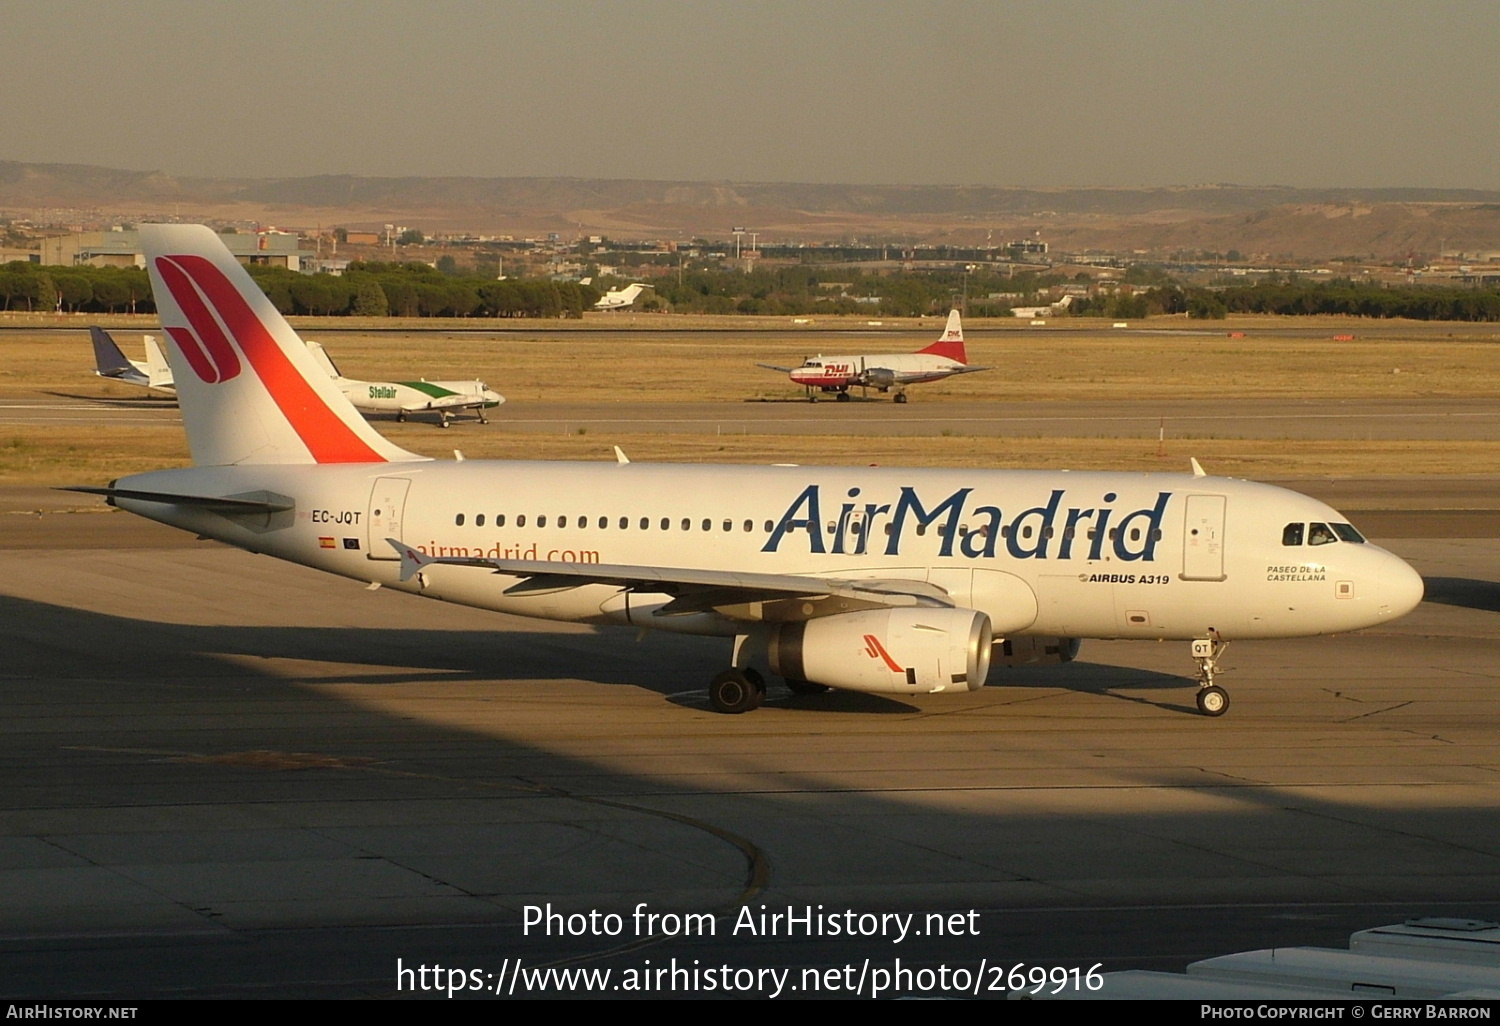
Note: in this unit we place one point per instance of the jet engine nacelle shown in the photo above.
(887, 651)
(878, 377)
(1032, 650)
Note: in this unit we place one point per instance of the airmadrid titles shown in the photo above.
(1052, 530)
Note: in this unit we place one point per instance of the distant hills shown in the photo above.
(1310, 223)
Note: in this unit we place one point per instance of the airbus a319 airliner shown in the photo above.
(889, 581)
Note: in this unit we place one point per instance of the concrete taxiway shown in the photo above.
(223, 775)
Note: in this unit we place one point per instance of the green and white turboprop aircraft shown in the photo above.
(404, 398)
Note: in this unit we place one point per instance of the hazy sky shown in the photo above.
(1006, 92)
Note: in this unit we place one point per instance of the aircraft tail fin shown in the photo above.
(951, 344)
(109, 361)
(249, 389)
(158, 371)
(321, 357)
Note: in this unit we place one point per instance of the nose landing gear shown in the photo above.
(1212, 699)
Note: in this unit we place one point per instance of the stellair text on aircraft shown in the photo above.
(402, 398)
(837, 374)
(892, 581)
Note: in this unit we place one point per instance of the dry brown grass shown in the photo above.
(589, 366)
(1388, 360)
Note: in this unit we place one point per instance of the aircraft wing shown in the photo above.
(448, 402)
(966, 370)
(740, 596)
(772, 366)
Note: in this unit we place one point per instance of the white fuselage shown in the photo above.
(1091, 555)
(904, 369)
(416, 396)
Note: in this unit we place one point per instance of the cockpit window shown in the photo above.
(1346, 532)
(1291, 534)
(1320, 534)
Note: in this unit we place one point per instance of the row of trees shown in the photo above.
(370, 289)
(787, 291)
(417, 290)
(367, 290)
(26, 286)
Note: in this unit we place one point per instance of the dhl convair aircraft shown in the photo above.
(943, 359)
(879, 580)
(404, 398)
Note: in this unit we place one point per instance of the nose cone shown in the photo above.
(1401, 588)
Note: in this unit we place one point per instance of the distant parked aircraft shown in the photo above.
(407, 397)
(110, 362)
(944, 358)
(399, 397)
(618, 299)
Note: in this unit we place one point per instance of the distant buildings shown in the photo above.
(123, 249)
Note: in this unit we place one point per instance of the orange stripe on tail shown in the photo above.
(191, 279)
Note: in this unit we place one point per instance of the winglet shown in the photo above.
(620, 456)
(1197, 469)
(412, 561)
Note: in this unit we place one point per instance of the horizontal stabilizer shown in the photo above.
(214, 503)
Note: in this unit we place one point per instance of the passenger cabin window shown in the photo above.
(1320, 534)
(499, 519)
(562, 521)
(624, 523)
(666, 525)
(687, 525)
(459, 520)
(521, 520)
(603, 523)
(541, 521)
(645, 523)
(708, 525)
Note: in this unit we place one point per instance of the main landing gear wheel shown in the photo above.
(442, 418)
(900, 397)
(736, 691)
(1213, 700)
(400, 416)
(845, 397)
(806, 687)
